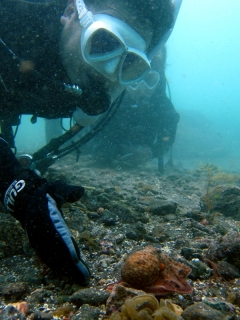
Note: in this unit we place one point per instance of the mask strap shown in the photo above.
(153, 52)
(85, 16)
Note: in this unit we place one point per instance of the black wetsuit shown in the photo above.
(36, 203)
(31, 33)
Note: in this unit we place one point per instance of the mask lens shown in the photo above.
(151, 79)
(133, 67)
(103, 42)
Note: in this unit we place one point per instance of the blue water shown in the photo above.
(204, 74)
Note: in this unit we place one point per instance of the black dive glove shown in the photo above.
(35, 203)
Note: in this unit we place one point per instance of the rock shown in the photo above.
(118, 296)
(91, 296)
(12, 236)
(11, 313)
(76, 219)
(195, 214)
(124, 213)
(199, 270)
(233, 297)
(228, 271)
(108, 218)
(20, 269)
(228, 248)
(87, 312)
(93, 215)
(136, 232)
(140, 228)
(162, 208)
(142, 217)
(201, 311)
(38, 296)
(133, 234)
(13, 291)
(102, 199)
(200, 227)
(187, 253)
(90, 203)
(224, 199)
(37, 315)
(150, 238)
(226, 308)
(170, 217)
(161, 233)
(220, 228)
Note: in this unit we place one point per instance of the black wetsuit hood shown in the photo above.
(31, 33)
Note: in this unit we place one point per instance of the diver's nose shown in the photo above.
(111, 66)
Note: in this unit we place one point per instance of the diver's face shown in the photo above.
(78, 70)
(71, 54)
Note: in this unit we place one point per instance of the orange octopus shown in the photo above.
(154, 272)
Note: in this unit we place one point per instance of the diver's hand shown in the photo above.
(36, 204)
(32, 201)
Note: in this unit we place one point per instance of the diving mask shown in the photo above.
(149, 81)
(112, 47)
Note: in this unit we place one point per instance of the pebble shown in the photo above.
(201, 310)
(91, 296)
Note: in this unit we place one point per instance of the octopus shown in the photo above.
(153, 271)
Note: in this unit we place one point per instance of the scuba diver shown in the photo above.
(144, 127)
(77, 68)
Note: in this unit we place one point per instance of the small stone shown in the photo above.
(41, 316)
(162, 208)
(104, 264)
(91, 296)
(93, 215)
(11, 313)
(194, 214)
(170, 217)
(13, 291)
(140, 227)
(124, 213)
(228, 271)
(108, 218)
(187, 253)
(102, 199)
(200, 310)
(87, 312)
(37, 296)
(225, 200)
(227, 248)
(201, 270)
(131, 234)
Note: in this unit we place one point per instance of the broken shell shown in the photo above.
(145, 301)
